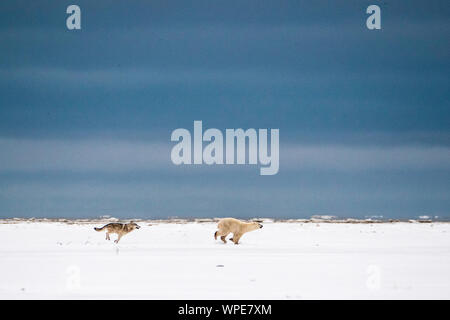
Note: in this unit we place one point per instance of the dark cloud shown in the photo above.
(348, 102)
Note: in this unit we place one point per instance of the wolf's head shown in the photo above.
(133, 225)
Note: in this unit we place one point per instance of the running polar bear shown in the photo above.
(238, 228)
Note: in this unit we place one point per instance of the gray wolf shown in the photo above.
(120, 229)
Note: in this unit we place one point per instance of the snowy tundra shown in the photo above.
(41, 260)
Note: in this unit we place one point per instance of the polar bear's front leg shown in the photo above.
(236, 238)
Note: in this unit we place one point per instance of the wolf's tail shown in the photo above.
(99, 229)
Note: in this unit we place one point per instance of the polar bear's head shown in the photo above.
(255, 225)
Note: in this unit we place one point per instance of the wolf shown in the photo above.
(237, 227)
(120, 229)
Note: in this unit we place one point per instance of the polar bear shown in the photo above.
(237, 227)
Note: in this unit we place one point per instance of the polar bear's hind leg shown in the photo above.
(222, 234)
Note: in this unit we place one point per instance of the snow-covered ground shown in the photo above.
(183, 261)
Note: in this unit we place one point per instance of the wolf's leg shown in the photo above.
(107, 236)
(118, 238)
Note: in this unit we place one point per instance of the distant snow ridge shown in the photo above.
(323, 217)
(109, 218)
(377, 217)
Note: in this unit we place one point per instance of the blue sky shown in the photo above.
(86, 116)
